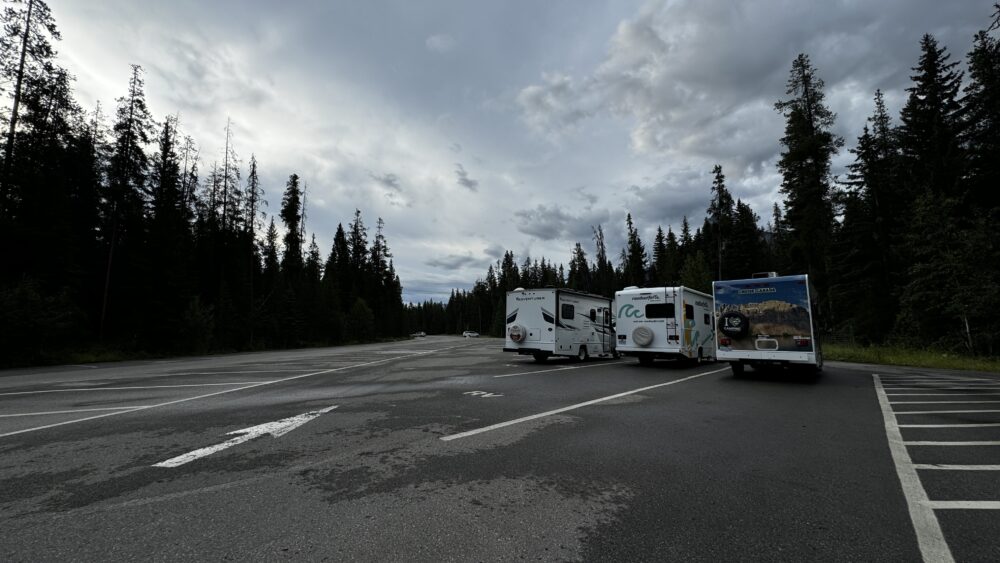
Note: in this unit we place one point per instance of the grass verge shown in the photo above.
(908, 357)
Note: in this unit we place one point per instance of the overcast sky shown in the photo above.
(474, 127)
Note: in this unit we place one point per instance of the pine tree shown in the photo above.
(809, 146)
(719, 222)
(982, 120)
(940, 227)
(291, 216)
(695, 273)
(744, 245)
(634, 263)
(579, 270)
(603, 273)
(124, 229)
(27, 31)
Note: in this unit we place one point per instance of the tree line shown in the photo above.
(112, 235)
(902, 249)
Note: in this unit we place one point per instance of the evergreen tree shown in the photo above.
(809, 145)
(982, 121)
(695, 273)
(940, 226)
(719, 223)
(291, 215)
(124, 225)
(659, 267)
(579, 270)
(634, 263)
(603, 274)
(744, 245)
(27, 30)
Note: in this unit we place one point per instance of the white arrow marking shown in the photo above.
(482, 394)
(276, 429)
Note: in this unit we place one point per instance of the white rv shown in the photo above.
(767, 320)
(665, 322)
(559, 322)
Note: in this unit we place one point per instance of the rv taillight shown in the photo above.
(802, 342)
(725, 341)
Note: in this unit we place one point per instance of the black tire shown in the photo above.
(645, 360)
(734, 324)
(616, 355)
(699, 360)
(738, 368)
(582, 355)
(540, 357)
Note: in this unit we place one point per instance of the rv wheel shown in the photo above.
(582, 355)
(737, 368)
(645, 360)
(540, 357)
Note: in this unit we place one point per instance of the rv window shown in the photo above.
(660, 311)
(607, 317)
(708, 319)
(567, 312)
(593, 316)
(689, 312)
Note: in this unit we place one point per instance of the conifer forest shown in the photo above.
(117, 233)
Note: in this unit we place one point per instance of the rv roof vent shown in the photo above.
(765, 275)
(632, 287)
(518, 289)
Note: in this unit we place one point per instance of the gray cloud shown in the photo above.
(553, 222)
(387, 180)
(464, 179)
(494, 251)
(456, 261)
(699, 78)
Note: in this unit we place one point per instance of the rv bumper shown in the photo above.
(526, 351)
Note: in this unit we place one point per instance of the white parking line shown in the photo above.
(594, 365)
(983, 425)
(177, 401)
(76, 389)
(964, 504)
(573, 407)
(939, 394)
(975, 443)
(945, 412)
(68, 412)
(948, 467)
(938, 402)
(933, 547)
(963, 388)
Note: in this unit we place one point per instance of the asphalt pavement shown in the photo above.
(447, 449)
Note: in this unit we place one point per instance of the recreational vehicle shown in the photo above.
(664, 322)
(559, 322)
(767, 320)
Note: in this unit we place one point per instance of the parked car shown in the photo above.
(420, 334)
(470, 334)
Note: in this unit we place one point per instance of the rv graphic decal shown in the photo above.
(512, 316)
(547, 317)
(771, 314)
(630, 311)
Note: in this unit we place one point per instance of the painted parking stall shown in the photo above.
(944, 434)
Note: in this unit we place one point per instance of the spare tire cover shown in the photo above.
(734, 324)
(517, 333)
(642, 336)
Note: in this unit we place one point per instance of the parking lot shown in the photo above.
(444, 448)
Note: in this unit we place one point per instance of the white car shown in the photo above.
(420, 334)
(470, 334)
